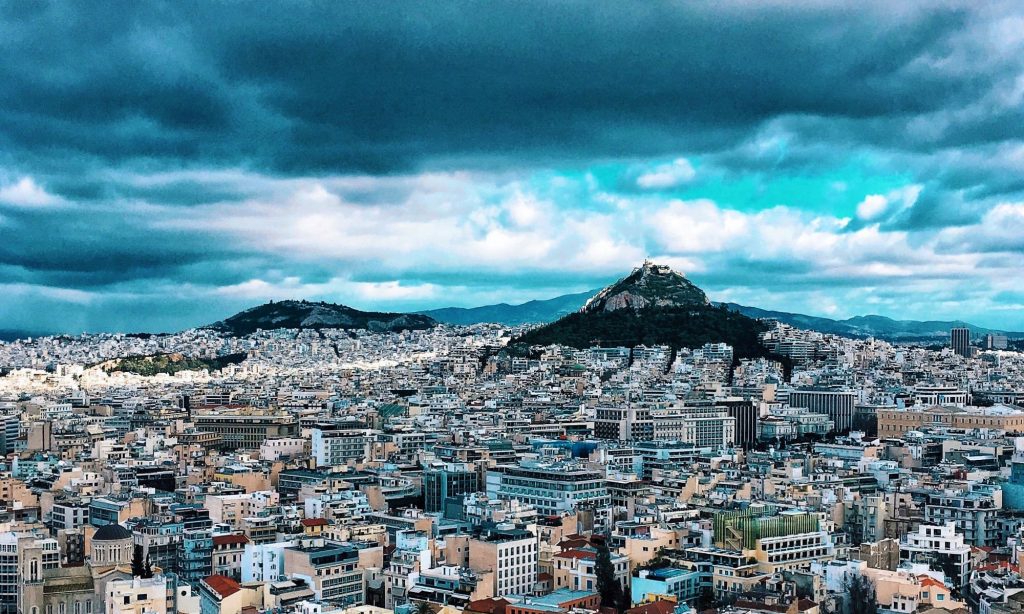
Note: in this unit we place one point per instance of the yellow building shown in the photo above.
(897, 422)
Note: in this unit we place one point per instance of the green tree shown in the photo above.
(608, 586)
(423, 607)
(706, 600)
(141, 566)
(858, 596)
(138, 565)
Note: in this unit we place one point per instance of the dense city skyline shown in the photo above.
(163, 167)
(517, 307)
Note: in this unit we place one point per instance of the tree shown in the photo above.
(138, 565)
(706, 600)
(858, 596)
(950, 570)
(141, 566)
(423, 607)
(607, 584)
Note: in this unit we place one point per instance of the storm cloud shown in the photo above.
(172, 162)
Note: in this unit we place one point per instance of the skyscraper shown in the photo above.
(960, 341)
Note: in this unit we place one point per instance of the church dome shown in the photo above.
(111, 533)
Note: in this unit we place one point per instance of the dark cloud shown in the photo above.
(138, 114)
(312, 87)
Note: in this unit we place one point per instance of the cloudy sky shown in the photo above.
(164, 165)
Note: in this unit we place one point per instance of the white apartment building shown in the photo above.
(511, 554)
(336, 447)
(940, 545)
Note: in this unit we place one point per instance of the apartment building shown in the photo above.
(942, 546)
(511, 554)
(333, 570)
(553, 488)
(333, 447)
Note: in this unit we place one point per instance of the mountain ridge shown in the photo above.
(871, 325)
(317, 315)
(538, 311)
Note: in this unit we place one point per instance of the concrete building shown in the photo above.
(897, 422)
(960, 341)
(511, 554)
(447, 480)
(942, 546)
(553, 488)
(838, 405)
(333, 570)
(246, 429)
(332, 446)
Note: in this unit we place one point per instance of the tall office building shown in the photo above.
(745, 414)
(448, 480)
(960, 341)
(836, 404)
(996, 342)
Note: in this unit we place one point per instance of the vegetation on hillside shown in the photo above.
(317, 315)
(170, 363)
(678, 327)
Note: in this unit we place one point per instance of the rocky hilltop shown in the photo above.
(653, 305)
(650, 285)
(318, 315)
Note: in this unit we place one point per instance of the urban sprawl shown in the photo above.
(430, 471)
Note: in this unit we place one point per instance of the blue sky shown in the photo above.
(163, 165)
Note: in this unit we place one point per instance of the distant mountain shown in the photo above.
(531, 312)
(317, 315)
(653, 305)
(14, 335)
(544, 311)
(879, 327)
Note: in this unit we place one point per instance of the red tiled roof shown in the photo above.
(222, 585)
(658, 607)
(225, 540)
(576, 554)
(487, 606)
(314, 522)
(928, 581)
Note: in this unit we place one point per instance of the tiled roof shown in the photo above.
(225, 540)
(222, 585)
(658, 607)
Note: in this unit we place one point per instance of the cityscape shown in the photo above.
(511, 308)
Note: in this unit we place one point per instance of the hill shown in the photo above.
(169, 363)
(531, 312)
(653, 305)
(880, 327)
(318, 315)
(650, 285)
